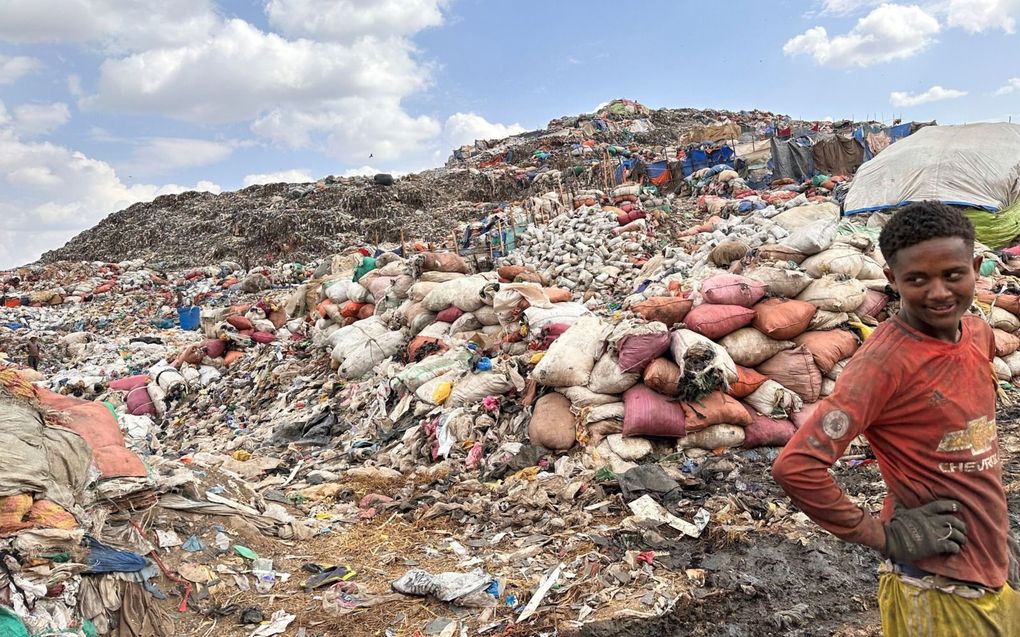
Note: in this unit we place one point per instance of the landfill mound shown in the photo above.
(564, 424)
(268, 223)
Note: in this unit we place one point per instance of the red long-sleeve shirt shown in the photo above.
(927, 407)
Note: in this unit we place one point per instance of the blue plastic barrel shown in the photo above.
(190, 317)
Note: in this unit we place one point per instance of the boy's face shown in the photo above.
(935, 280)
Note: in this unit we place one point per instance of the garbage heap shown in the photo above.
(72, 493)
(507, 423)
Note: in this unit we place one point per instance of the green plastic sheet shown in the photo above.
(10, 625)
(996, 229)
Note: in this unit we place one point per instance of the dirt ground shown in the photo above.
(774, 576)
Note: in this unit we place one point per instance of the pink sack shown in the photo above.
(647, 413)
(139, 403)
(215, 348)
(450, 314)
(766, 432)
(637, 350)
(716, 321)
(801, 418)
(129, 382)
(874, 303)
(733, 289)
(550, 333)
(263, 337)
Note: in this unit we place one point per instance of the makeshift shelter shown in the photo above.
(976, 166)
(792, 159)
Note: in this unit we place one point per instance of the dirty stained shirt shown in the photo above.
(33, 349)
(927, 408)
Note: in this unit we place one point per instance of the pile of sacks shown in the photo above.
(588, 251)
(728, 341)
(998, 301)
(810, 289)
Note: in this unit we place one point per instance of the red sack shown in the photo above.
(766, 432)
(800, 418)
(715, 408)
(874, 303)
(511, 272)
(637, 350)
(367, 311)
(733, 289)
(647, 413)
(215, 348)
(663, 376)
(748, 381)
(444, 262)
(795, 369)
(414, 347)
(664, 309)
(240, 323)
(828, 347)
(350, 309)
(129, 382)
(783, 319)
(1005, 343)
(716, 321)
(450, 315)
(557, 295)
(263, 337)
(139, 403)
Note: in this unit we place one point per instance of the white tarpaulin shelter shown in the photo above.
(972, 165)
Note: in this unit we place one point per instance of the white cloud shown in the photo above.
(13, 67)
(845, 7)
(52, 192)
(241, 72)
(977, 16)
(338, 97)
(40, 119)
(351, 129)
(1012, 84)
(890, 32)
(160, 155)
(346, 20)
(113, 25)
(934, 94)
(293, 176)
(465, 128)
(363, 171)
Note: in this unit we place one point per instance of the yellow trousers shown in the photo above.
(914, 611)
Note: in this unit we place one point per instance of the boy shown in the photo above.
(32, 350)
(922, 392)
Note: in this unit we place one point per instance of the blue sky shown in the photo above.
(114, 102)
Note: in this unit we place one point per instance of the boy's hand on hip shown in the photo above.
(932, 529)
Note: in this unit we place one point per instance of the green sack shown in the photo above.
(996, 229)
(10, 625)
(366, 266)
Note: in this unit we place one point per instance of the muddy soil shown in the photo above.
(772, 586)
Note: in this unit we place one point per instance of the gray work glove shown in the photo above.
(932, 529)
(1014, 562)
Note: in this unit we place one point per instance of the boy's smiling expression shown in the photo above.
(935, 280)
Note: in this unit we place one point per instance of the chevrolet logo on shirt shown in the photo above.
(978, 437)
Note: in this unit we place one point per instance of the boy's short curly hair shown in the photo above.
(922, 221)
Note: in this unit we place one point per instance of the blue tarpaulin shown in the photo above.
(698, 158)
